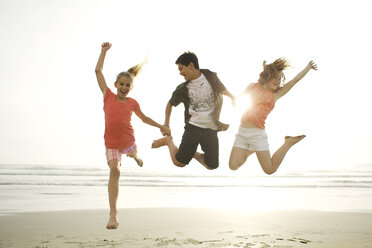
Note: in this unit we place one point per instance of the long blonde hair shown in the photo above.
(272, 70)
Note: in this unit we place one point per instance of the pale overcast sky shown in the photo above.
(51, 106)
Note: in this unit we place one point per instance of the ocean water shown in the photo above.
(28, 188)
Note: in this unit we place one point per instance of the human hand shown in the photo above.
(312, 65)
(106, 46)
(165, 131)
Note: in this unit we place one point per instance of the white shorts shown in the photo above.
(252, 139)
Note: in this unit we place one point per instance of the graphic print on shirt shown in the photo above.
(201, 95)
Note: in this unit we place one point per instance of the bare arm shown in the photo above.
(286, 87)
(145, 119)
(232, 97)
(168, 111)
(100, 78)
(246, 91)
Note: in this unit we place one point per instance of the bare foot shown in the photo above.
(136, 158)
(113, 222)
(199, 156)
(291, 140)
(139, 161)
(161, 142)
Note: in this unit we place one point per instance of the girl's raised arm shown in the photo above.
(286, 87)
(100, 78)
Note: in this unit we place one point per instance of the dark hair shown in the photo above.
(188, 57)
(271, 70)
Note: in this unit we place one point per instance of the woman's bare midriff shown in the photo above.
(248, 124)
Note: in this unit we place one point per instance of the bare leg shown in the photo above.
(173, 149)
(200, 158)
(113, 191)
(238, 156)
(271, 165)
(136, 158)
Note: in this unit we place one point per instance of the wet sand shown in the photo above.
(187, 227)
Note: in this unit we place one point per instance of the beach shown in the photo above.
(67, 206)
(55, 124)
(187, 227)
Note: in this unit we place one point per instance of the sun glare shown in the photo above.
(242, 103)
(233, 114)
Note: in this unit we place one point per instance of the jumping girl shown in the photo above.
(251, 137)
(119, 133)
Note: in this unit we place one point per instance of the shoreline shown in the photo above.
(187, 227)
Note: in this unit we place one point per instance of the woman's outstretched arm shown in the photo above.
(100, 78)
(286, 87)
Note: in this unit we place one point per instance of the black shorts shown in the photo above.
(192, 137)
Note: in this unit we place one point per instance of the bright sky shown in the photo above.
(51, 106)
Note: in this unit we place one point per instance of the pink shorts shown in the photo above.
(115, 154)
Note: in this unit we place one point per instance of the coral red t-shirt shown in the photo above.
(262, 102)
(119, 133)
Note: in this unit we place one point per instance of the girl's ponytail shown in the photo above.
(132, 72)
